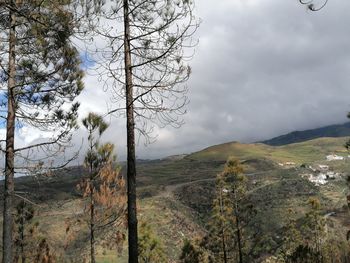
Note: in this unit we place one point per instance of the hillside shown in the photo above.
(308, 151)
(339, 130)
(176, 194)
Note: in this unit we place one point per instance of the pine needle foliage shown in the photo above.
(150, 247)
(194, 252)
(40, 77)
(25, 235)
(103, 190)
(230, 215)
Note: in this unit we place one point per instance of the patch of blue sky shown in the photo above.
(87, 61)
(3, 108)
(3, 112)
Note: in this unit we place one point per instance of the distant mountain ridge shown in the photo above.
(338, 130)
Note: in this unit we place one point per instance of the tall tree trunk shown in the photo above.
(222, 230)
(9, 157)
(92, 223)
(238, 226)
(130, 126)
(23, 256)
(239, 240)
(92, 207)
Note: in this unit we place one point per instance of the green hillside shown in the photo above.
(308, 151)
(175, 195)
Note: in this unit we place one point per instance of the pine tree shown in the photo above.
(220, 240)
(150, 247)
(93, 123)
(238, 182)
(25, 231)
(104, 188)
(146, 64)
(110, 199)
(194, 252)
(292, 236)
(230, 214)
(313, 228)
(313, 236)
(41, 76)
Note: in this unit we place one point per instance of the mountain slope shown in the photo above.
(339, 130)
(308, 151)
(176, 196)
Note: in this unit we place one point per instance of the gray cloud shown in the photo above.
(261, 69)
(270, 67)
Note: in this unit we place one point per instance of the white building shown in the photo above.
(334, 157)
(319, 179)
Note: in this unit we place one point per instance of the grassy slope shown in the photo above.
(308, 151)
(176, 194)
(276, 190)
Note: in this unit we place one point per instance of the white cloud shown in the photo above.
(27, 135)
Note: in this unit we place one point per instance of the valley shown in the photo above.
(176, 195)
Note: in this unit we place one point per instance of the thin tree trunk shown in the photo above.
(92, 224)
(9, 157)
(92, 208)
(22, 237)
(16, 256)
(238, 226)
(239, 240)
(130, 126)
(222, 230)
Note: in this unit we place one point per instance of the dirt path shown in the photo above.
(170, 189)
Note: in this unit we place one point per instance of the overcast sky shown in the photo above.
(262, 68)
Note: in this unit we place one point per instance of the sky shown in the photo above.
(262, 68)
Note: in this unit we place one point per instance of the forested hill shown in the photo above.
(338, 130)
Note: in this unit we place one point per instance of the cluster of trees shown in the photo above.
(231, 237)
(145, 64)
(308, 241)
(227, 239)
